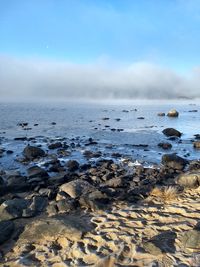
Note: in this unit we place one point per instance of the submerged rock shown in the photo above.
(161, 114)
(165, 145)
(171, 132)
(32, 152)
(173, 161)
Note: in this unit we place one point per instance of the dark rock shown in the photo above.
(9, 152)
(55, 145)
(20, 138)
(11, 209)
(161, 243)
(32, 152)
(161, 114)
(140, 118)
(72, 165)
(6, 230)
(36, 171)
(165, 145)
(171, 132)
(173, 161)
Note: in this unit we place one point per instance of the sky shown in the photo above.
(95, 40)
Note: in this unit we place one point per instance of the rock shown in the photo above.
(12, 209)
(161, 114)
(64, 205)
(165, 145)
(94, 200)
(17, 208)
(77, 188)
(161, 243)
(55, 145)
(171, 132)
(36, 171)
(32, 152)
(140, 118)
(72, 165)
(6, 230)
(196, 144)
(173, 161)
(189, 179)
(173, 113)
(191, 239)
(49, 229)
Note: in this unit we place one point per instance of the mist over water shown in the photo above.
(41, 78)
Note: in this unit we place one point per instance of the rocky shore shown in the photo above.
(57, 209)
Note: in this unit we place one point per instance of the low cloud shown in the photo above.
(36, 78)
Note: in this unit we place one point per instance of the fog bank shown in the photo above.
(40, 78)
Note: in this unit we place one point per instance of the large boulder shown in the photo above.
(50, 229)
(189, 179)
(173, 113)
(173, 161)
(32, 152)
(171, 132)
(77, 188)
(6, 230)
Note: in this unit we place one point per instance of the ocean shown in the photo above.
(128, 127)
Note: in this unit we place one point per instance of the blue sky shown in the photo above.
(165, 32)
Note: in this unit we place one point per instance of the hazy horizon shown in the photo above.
(99, 49)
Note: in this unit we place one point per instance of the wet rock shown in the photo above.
(165, 145)
(77, 188)
(21, 138)
(173, 161)
(189, 179)
(197, 136)
(9, 152)
(105, 118)
(161, 243)
(72, 165)
(173, 113)
(36, 171)
(6, 230)
(68, 226)
(140, 118)
(171, 132)
(161, 114)
(193, 110)
(196, 144)
(55, 145)
(32, 152)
